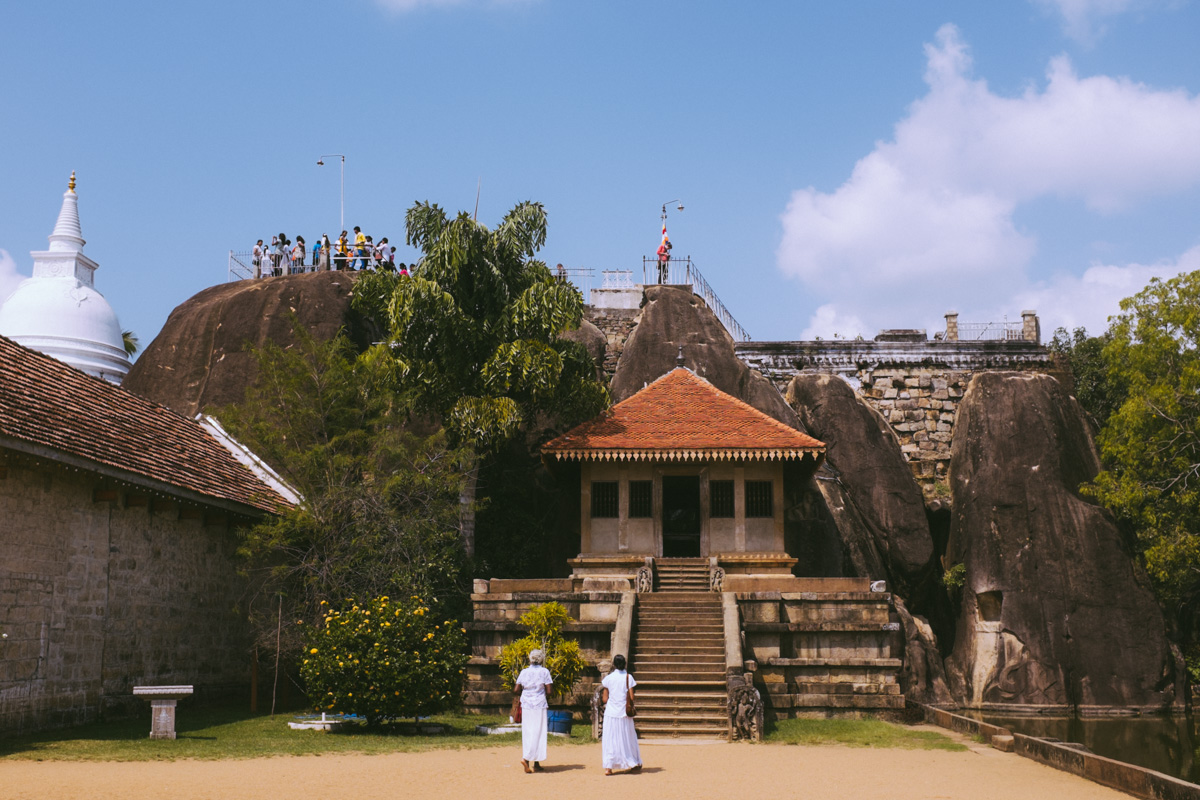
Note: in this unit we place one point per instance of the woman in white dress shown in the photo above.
(533, 685)
(618, 743)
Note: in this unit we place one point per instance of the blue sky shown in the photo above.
(844, 166)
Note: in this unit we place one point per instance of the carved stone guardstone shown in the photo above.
(163, 700)
(716, 575)
(745, 712)
(645, 577)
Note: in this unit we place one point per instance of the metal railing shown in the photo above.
(991, 331)
(241, 265)
(683, 271)
(581, 277)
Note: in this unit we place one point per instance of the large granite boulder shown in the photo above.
(673, 316)
(1055, 610)
(593, 339)
(202, 356)
(871, 493)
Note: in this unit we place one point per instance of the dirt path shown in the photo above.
(702, 771)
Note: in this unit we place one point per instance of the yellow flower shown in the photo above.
(313, 651)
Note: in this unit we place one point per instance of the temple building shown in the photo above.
(118, 559)
(59, 312)
(683, 470)
(687, 565)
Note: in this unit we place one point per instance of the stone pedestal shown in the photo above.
(163, 700)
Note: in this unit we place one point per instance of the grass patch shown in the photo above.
(223, 733)
(857, 733)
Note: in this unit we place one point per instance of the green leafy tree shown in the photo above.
(384, 660)
(1151, 442)
(1098, 390)
(381, 505)
(475, 332)
(563, 657)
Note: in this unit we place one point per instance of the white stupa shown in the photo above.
(59, 312)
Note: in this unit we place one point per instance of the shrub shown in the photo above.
(384, 660)
(955, 577)
(563, 657)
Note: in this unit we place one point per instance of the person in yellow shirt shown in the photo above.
(360, 248)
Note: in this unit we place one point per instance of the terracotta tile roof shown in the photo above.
(57, 408)
(681, 415)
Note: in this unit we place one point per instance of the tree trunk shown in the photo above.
(466, 510)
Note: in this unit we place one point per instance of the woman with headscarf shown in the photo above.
(533, 685)
(618, 742)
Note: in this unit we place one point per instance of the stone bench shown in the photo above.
(162, 707)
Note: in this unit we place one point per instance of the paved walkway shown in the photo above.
(703, 771)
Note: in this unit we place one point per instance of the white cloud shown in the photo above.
(1083, 20)
(829, 323)
(403, 6)
(9, 276)
(925, 221)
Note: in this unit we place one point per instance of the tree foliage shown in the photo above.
(563, 657)
(381, 505)
(384, 660)
(1097, 390)
(1151, 441)
(474, 330)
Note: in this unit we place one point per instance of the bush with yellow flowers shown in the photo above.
(384, 659)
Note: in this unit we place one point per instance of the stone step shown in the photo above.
(661, 686)
(670, 659)
(680, 626)
(676, 730)
(678, 598)
(678, 637)
(676, 649)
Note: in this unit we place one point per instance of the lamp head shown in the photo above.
(680, 206)
(320, 162)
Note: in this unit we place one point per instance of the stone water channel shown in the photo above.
(1166, 744)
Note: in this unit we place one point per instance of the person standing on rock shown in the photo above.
(531, 688)
(618, 742)
(256, 259)
(298, 255)
(664, 259)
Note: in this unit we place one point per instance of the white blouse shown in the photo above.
(533, 682)
(615, 683)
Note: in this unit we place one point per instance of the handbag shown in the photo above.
(516, 712)
(630, 709)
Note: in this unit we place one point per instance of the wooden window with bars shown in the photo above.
(641, 498)
(720, 498)
(759, 499)
(605, 499)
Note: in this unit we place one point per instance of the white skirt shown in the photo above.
(619, 744)
(533, 734)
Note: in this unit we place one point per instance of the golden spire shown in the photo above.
(71, 185)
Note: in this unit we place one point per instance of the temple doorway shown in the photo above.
(681, 516)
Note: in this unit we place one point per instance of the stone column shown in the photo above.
(1031, 327)
(951, 326)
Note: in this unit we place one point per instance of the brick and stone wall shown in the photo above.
(617, 324)
(915, 385)
(103, 588)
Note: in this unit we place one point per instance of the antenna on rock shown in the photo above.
(679, 358)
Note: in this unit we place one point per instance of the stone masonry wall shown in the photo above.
(617, 324)
(99, 595)
(916, 386)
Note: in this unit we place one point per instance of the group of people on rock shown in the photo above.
(347, 252)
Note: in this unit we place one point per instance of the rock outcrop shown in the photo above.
(1055, 611)
(201, 358)
(674, 317)
(593, 339)
(871, 492)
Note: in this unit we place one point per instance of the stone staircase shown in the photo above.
(679, 656)
(681, 575)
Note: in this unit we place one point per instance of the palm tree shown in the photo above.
(130, 340)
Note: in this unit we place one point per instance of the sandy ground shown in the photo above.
(672, 771)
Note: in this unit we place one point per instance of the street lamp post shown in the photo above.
(321, 163)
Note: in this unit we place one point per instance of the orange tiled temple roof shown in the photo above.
(683, 416)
